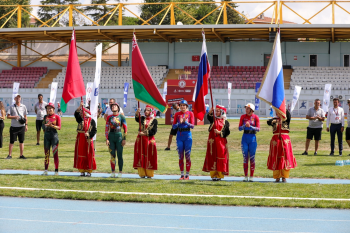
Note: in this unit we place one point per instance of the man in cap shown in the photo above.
(335, 117)
(316, 116)
(40, 112)
(18, 115)
(250, 124)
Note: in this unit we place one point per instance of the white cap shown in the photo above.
(17, 95)
(251, 106)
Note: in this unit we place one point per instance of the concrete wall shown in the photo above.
(177, 55)
(239, 98)
(45, 48)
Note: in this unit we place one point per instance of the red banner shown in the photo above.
(181, 87)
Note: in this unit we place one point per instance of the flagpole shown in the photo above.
(138, 107)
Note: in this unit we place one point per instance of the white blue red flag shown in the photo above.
(201, 88)
(272, 86)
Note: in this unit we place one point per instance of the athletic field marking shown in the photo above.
(177, 194)
(175, 215)
(139, 226)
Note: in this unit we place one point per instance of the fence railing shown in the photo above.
(167, 9)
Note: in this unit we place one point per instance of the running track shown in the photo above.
(174, 177)
(49, 216)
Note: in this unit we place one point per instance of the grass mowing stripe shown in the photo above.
(138, 226)
(173, 215)
(177, 194)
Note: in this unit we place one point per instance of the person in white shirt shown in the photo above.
(40, 111)
(316, 116)
(335, 117)
(109, 111)
(347, 132)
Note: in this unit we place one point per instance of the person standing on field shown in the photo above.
(335, 117)
(18, 115)
(2, 118)
(40, 111)
(347, 132)
(316, 116)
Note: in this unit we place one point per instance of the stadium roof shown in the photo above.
(172, 33)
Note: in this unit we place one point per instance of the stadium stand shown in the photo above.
(315, 78)
(241, 77)
(28, 77)
(114, 77)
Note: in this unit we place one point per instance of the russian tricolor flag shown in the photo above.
(201, 88)
(272, 87)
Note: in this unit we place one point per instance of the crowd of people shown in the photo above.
(280, 160)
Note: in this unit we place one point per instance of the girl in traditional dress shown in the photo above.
(281, 158)
(145, 150)
(216, 160)
(84, 154)
(51, 123)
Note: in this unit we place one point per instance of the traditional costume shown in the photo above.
(145, 150)
(249, 143)
(217, 156)
(51, 138)
(84, 154)
(281, 158)
(113, 134)
(184, 138)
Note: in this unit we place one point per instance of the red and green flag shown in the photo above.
(73, 83)
(145, 89)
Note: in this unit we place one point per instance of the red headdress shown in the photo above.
(223, 111)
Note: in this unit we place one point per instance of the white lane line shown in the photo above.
(140, 226)
(173, 215)
(177, 194)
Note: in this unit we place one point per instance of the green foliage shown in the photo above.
(45, 13)
(12, 23)
(96, 12)
(198, 11)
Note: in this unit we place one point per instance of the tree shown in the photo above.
(45, 13)
(197, 11)
(96, 12)
(12, 23)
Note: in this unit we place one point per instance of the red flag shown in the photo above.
(73, 83)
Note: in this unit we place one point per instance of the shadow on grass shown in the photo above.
(89, 180)
(319, 164)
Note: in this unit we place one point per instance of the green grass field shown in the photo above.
(320, 166)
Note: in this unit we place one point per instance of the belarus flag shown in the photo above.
(201, 88)
(272, 87)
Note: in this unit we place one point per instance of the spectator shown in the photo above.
(59, 111)
(40, 111)
(316, 116)
(18, 115)
(99, 110)
(175, 109)
(109, 112)
(336, 119)
(347, 132)
(2, 118)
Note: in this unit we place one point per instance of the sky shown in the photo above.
(251, 10)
